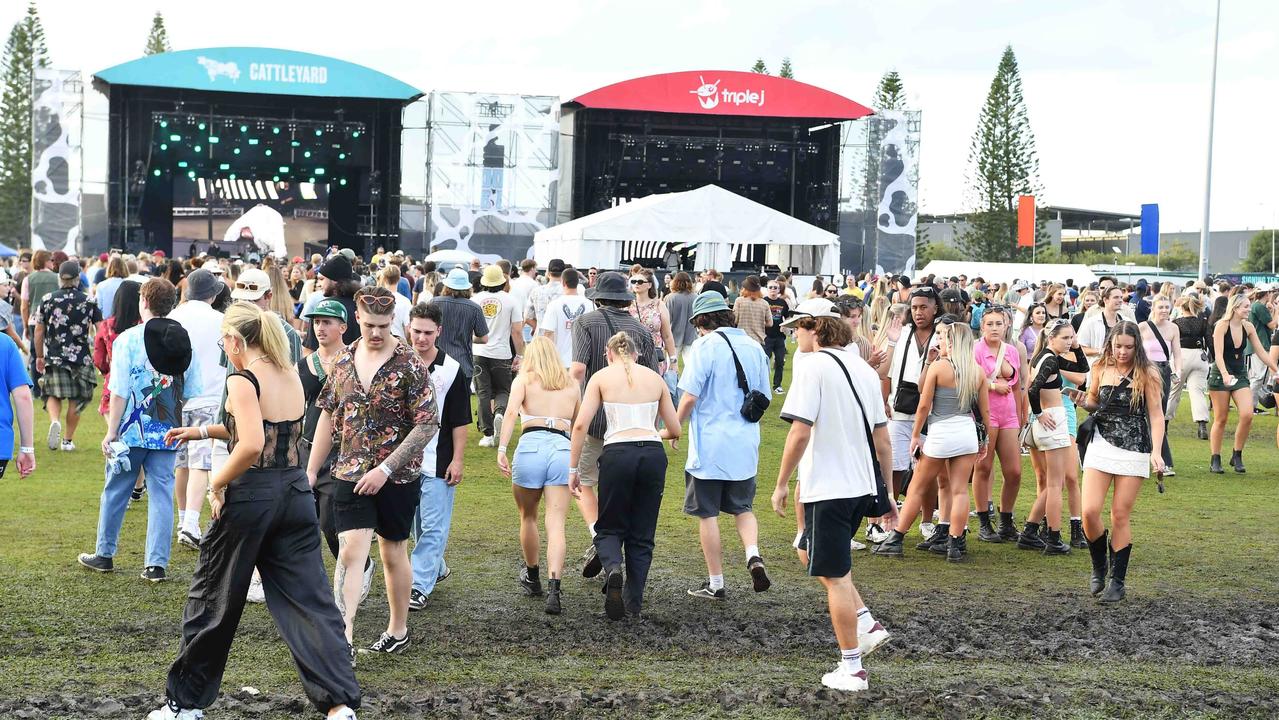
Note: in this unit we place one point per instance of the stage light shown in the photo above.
(253, 141)
(244, 128)
(224, 166)
(306, 154)
(164, 146)
(201, 126)
(156, 172)
(275, 178)
(341, 156)
(275, 130)
(268, 153)
(164, 123)
(175, 138)
(182, 163)
(355, 134)
(319, 171)
(295, 143)
(318, 133)
(284, 168)
(191, 174)
(213, 139)
(232, 176)
(340, 182)
(197, 148)
(311, 180)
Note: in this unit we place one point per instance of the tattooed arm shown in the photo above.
(426, 419)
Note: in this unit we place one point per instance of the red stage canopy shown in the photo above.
(724, 92)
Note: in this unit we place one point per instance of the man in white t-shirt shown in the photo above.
(400, 318)
(1025, 298)
(522, 285)
(562, 312)
(494, 363)
(827, 442)
(911, 355)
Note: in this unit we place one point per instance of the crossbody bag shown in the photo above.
(884, 504)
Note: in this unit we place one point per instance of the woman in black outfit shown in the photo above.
(263, 515)
(1195, 334)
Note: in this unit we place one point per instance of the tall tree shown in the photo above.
(759, 67)
(23, 53)
(786, 70)
(158, 40)
(1260, 252)
(1002, 165)
(890, 94)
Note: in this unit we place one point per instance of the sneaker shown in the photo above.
(369, 567)
(136, 494)
(55, 435)
(189, 539)
(486, 441)
(855, 545)
(350, 650)
(255, 594)
(591, 565)
(68, 446)
(876, 533)
(778, 390)
(343, 714)
(868, 641)
(927, 530)
(96, 562)
(759, 575)
(1169, 472)
(497, 426)
(706, 593)
(841, 679)
(444, 575)
(388, 643)
(531, 581)
(417, 600)
(154, 573)
(170, 712)
(613, 582)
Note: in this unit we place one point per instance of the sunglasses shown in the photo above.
(638, 281)
(1057, 322)
(773, 287)
(831, 291)
(380, 301)
(250, 286)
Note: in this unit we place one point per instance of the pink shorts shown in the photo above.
(1003, 412)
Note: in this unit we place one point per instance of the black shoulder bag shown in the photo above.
(755, 403)
(906, 400)
(883, 504)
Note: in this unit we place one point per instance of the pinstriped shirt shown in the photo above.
(590, 336)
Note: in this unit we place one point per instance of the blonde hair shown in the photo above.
(623, 348)
(258, 328)
(1053, 290)
(281, 300)
(1235, 301)
(881, 335)
(877, 312)
(542, 361)
(968, 375)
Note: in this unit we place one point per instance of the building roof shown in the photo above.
(1077, 219)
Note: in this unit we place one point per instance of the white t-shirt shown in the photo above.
(401, 319)
(521, 287)
(837, 462)
(1023, 310)
(499, 312)
(204, 326)
(559, 317)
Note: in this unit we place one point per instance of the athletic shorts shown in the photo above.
(389, 513)
(708, 498)
(541, 459)
(588, 465)
(829, 527)
(899, 431)
(196, 454)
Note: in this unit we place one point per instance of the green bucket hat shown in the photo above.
(708, 302)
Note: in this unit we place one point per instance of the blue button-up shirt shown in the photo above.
(723, 445)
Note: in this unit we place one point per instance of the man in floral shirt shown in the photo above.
(379, 407)
(64, 322)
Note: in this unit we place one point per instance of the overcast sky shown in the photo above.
(1117, 91)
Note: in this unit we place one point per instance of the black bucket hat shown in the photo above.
(168, 346)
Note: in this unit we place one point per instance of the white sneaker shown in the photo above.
(486, 441)
(255, 594)
(343, 714)
(497, 427)
(55, 435)
(368, 580)
(876, 534)
(927, 529)
(854, 545)
(68, 446)
(868, 641)
(168, 713)
(779, 390)
(841, 679)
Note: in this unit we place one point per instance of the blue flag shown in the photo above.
(1150, 229)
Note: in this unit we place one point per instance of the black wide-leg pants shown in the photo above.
(632, 480)
(268, 521)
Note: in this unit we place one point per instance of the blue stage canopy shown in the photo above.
(258, 70)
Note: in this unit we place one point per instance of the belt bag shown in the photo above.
(755, 403)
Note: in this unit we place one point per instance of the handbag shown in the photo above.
(1027, 435)
(1084, 436)
(906, 401)
(883, 504)
(755, 403)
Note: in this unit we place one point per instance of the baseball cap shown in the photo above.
(348, 253)
(328, 308)
(951, 295)
(69, 269)
(812, 308)
(1020, 285)
(251, 285)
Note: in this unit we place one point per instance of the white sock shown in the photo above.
(1075, 519)
(865, 621)
(717, 582)
(751, 551)
(193, 522)
(591, 527)
(182, 519)
(852, 660)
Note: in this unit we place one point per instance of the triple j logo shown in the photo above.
(709, 95)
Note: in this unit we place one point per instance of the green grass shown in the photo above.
(965, 643)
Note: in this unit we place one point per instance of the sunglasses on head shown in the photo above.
(377, 300)
(1057, 322)
(927, 291)
(250, 286)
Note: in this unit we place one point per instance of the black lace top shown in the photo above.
(1122, 425)
(1196, 333)
(281, 441)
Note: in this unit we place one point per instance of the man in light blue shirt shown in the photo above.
(723, 453)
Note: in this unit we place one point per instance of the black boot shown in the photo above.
(530, 581)
(553, 597)
(1118, 571)
(938, 538)
(1214, 465)
(1007, 528)
(1029, 538)
(1097, 549)
(1053, 544)
(1203, 429)
(957, 548)
(1236, 461)
(986, 532)
(1077, 535)
(892, 545)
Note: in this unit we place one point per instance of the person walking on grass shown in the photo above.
(723, 450)
(328, 320)
(464, 324)
(833, 403)
(774, 339)
(494, 359)
(153, 373)
(441, 459)
(64, 321)
(263, 516)
(15, 386)
(379, 406)
(546, 398)
(1228, 380)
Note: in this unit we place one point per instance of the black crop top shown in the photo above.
(281, 441)
(1049, 376)
(1231, 353)
(1194, 331)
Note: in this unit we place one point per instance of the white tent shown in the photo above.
(1008, 272)
(717, 222)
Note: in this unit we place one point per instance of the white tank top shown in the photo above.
(622, 417)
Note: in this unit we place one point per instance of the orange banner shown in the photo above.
(1026, 221)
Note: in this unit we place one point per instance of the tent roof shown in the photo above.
(1007, 272)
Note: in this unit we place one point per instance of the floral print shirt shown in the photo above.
(69, 318)
(369, 424)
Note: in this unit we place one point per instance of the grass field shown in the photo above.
(1008, 634)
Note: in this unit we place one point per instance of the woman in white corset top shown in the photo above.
(632, 469)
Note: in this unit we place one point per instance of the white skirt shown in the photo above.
(952, 437)
(1058, 437)
(1107, 458)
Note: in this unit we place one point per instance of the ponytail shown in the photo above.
(623, 348)
(260, 328)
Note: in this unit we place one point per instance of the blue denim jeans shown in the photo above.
(431, 533)
(115, 500)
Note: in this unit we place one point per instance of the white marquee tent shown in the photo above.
(1008, 272)
(718, 223)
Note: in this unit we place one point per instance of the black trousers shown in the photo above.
(492, 386)
(776, 348)
(632, 480)
(1165, 372)
(268, 521)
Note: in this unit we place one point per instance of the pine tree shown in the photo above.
(24, 51)
(158, 40)
(1002, 166)
(786, 71)
(890, 95)
(759, 67)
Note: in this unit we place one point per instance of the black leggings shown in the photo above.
(776, 347)
(632, 479)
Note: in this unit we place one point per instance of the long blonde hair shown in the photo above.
(623, 348)
(968, 375)
(1143, 371)
(1235, 301)
(881, 335)
(542, 362)
(258, 328)
(281, 300)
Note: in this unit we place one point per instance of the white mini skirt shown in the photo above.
(952, 437)
(1107, 458)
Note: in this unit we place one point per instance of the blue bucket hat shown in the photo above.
(708, 302)
(457, 279)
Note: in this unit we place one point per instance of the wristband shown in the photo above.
(573, 471)
(501, 450)
(204, 432)
(385, 469)
(26, 450)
